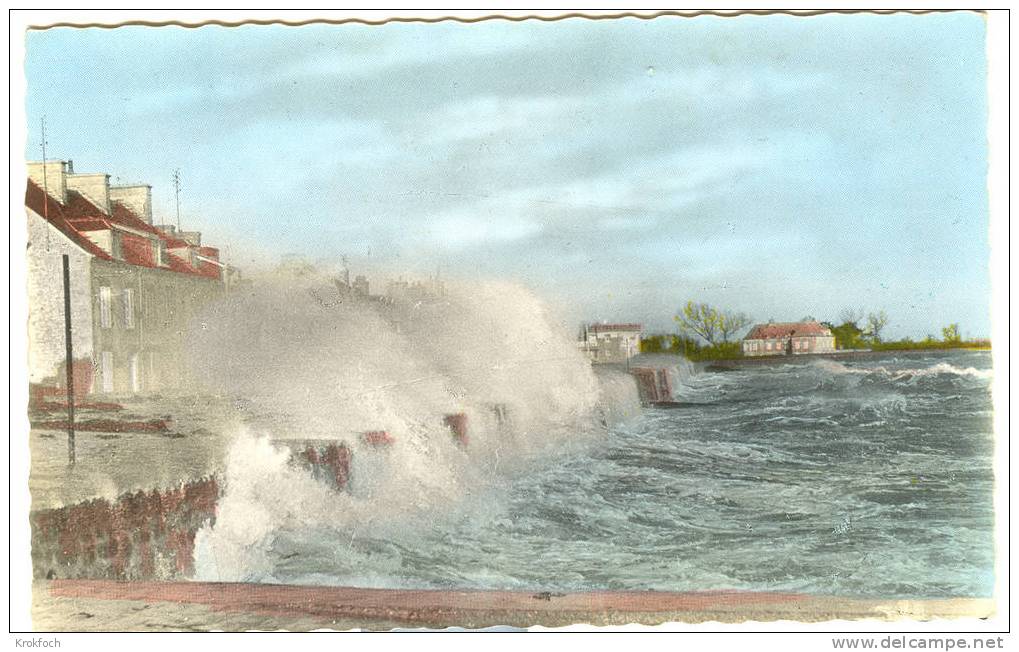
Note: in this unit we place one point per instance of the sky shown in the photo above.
(775, 165)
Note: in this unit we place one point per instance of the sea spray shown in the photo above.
(328, 367)
(749, 491)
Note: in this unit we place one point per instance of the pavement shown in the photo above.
(101, 605)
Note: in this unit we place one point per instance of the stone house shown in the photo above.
(788, 338)
(134, 287)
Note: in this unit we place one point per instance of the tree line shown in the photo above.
(707, 332)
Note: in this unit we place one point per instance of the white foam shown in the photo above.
(339, 369)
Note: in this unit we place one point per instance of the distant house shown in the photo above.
(788, 338)
(610, 342)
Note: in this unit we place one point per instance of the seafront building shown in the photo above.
(788, 338)
(135, 287)
(610, 343)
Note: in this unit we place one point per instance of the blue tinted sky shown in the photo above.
(777, 165)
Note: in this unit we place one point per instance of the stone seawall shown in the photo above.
(140, 535)
(149, 535)
(653, 384)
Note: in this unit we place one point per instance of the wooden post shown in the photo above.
(70, 361)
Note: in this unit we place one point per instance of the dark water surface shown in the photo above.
(869, 478)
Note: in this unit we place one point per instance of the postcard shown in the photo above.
(508, 321)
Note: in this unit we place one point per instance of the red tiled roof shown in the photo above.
(124, 216)
(79, 214)
(80, 208)
(178, 264)
(775, 330)
(137, 250)
(89, 224)
(617, 327)
(51, 209)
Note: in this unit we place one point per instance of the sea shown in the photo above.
(864, 476)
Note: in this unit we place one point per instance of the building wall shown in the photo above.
(800, 346)
(610, 346)
(46, 346)
(146, 355)
(824, 344)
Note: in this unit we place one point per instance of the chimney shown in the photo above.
(56, 178)
(94, 187)
(137, 198)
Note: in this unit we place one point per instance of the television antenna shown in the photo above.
(176, 193)
(45, 188)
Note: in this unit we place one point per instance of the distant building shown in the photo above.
(402, 291)
(356, 290)
(294, 266)
(360, 285)
(788, 338)
(610, 342)
(134, 286)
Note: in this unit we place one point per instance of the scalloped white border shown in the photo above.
(20, 578)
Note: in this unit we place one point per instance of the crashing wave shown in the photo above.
(488, 352)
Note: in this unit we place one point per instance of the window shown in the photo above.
(128, 308)
(106, 371)
(134, 373)
(767, 346)
(105, 315)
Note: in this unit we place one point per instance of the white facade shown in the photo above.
(46, 352)
(788, 338)
(607, 343)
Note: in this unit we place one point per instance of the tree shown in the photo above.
(950, 334)
(850, 316)
(701, 320)
(731, 323)
(847, 336)
(876, 323)
(713, 325)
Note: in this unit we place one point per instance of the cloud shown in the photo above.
(652, 157)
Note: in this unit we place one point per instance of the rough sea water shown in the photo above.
(867, 476)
